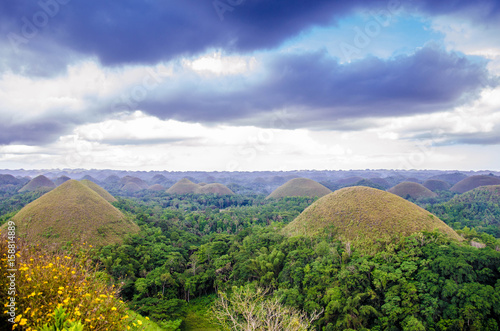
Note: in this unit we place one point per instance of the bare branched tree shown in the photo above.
(248, 309)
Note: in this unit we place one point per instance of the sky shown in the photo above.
(250, 85)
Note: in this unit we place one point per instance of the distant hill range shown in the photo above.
(302, 187)
(364, 215)
(73, 212)
(451, 179)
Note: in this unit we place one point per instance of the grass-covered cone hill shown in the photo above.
(72, 212)
(363, 214)
(412, 190)
(214, 188)
(38, 183)
(436, 185)
(300, 187)
(183, 186)
(472, 182)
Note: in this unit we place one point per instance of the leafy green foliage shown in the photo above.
(478, 209)
(61, 322)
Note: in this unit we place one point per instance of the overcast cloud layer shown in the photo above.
(250, 72)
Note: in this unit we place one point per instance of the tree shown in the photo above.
(248, 309)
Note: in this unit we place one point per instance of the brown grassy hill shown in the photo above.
(72, 212)
(112, 179)
(364, 215)
(136, 180)
(472, 182)
(214, 188)
(412, 190)
(184, 186)
(60, 180)
(131, 187)
(99, 190)
(159, 179)
(436, 185)
(299, 187)
(38, 183)
(8, 180)
(156, 187)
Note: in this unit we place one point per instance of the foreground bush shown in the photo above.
(46, 281)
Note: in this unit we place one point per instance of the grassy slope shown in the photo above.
(366, 214)
(300, 187)
(414, 190)
(72, 212)
(472, 182)
(198, 317)
(214, 188)
(99, 190)
(184, 186)
(490, 193)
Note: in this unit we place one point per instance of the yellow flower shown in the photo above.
(114, 308)
(147, 318)
(23, 321)
(139, 322)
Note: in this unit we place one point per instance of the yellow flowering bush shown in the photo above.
(47, 280)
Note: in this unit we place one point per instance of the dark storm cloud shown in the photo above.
(482, 12)
(42, 132)
(323, 90)
(132, 31)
